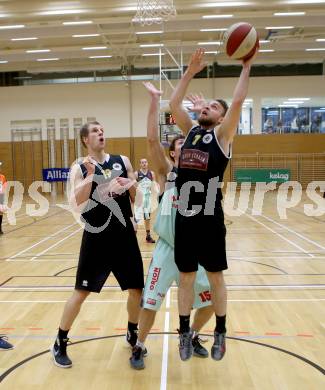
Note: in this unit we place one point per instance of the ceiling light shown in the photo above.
(24, 39)
(217, 16)
(264, 41)
(304, 99)
(152, 54)
(288, 105)
(320, 39)
(100, 56)
(213, 29)
(140, 20)
(305, 1)
(23, 77)
(85, 35)
(266, 51)
(62, 12)
(48, 59)
(211, 52)
(12, 27)
(95, 48)
(295, 102)
(316, 49)
(279, 28)
(148, 32)
(289, 13)
(209, 43)
(225, 4)
(38, 51)
(152, 45)
(3, 62)
(78, 23)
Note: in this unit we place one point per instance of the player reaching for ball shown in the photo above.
(200, 231)
(163, 272)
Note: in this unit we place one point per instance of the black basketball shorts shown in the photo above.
(200, 239)
(114, 250)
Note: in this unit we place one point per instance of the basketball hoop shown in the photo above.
(154, 11)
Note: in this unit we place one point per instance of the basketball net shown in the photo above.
(154, 11)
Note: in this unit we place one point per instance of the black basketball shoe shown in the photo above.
(59, 353)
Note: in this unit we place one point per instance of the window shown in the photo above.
(287, 115)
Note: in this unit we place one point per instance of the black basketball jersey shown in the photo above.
(96, 214)
(201, 160)
(142, 176)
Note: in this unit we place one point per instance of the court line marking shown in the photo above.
(229, 258)
(164, 363)
(64, 270)
(51, 255)
(229, 286)
(174, 300)
(226, 274)
(172, 334)
(263, 264)
(294, 232)
(6, 281)
(19, 216)
(24, 214)
(277, 257)
(42, 261)
(40, 242)
(262, 251)
(52, 246)
(279, 235)
(64, 301)
(35, 221)
(56, 244)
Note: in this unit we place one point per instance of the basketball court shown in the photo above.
(276, 305)
(276, 275)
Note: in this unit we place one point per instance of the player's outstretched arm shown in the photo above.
(228, 128)
(156, 150)
(182, 118)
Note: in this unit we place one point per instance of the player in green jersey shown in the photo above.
(163, 270)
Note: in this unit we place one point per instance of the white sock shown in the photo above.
(139, 344)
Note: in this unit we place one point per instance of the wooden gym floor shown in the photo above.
(276, 310)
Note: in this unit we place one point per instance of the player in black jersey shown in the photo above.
(200, 230)
(146, 179)
(162, 271)
(102, 186)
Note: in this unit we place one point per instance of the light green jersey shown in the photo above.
(166, 214)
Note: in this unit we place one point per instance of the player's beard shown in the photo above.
(206, 122)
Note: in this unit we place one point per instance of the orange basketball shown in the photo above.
(241, 41)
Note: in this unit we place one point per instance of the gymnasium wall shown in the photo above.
(112, 103)
(279, 143)
(123, 110)
(249, 144)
